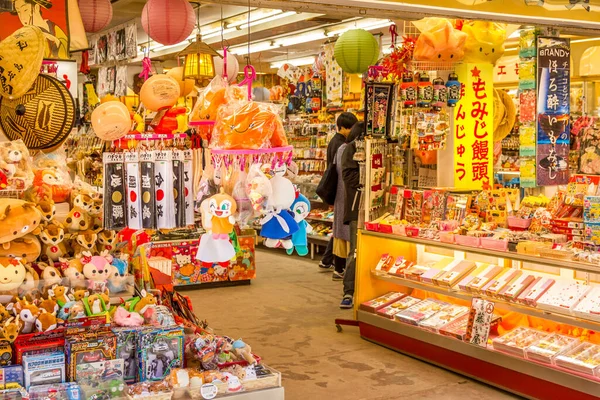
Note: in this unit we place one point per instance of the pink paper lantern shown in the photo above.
(168, 21)
(96, 14)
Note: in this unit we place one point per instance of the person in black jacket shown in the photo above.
(344, 123)
(351, 178)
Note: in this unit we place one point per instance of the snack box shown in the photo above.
(547, 349)
(521, 297)
(462, 285)
(448, 267)
(385, 262)
(443, 317)
(42, 369)
(516, 287)
(589, 306)
(494, 287)
(420, 311)
(563, 296)
(483, 278)
(584, 358)
(458, 272)
(398, 267)
(67, 390)
(402, 269)
(515, 341)
(381, 301)
(397, 306)
(414, 273)
(427, 277)
(567, 223)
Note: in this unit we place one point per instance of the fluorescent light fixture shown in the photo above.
(268, 19)
(366, 25)
(301, 38)
(297, 62)
(515, 34)
(254, 48)
(218, 33)
(595, 39)
(254, 16)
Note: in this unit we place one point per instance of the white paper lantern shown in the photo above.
(233, 66)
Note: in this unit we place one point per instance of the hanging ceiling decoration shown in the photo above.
(95, 14)
(168, 21)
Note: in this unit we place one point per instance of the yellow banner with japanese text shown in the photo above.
(474, 128)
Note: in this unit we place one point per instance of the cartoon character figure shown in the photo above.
(300, 209)
(215, 245)
(439, 41)
(485, 41)
(279, 225)
(96, 270)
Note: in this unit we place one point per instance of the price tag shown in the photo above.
(209, 391)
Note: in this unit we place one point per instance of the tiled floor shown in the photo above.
(287, 316)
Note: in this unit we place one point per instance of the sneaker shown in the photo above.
(347, 302)
(337, 276)
(325, 267)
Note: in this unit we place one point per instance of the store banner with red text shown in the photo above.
(474, 128)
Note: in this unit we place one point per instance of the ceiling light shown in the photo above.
(254, 16)
(367, 25)
(218, 33)
(534, 2)
(268, 19)
(297, 62)
(254, 48)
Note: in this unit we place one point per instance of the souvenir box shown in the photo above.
(511, 292)
(547, 349)
(443, 270)
(397, 269)
(563, 296)
(420, 311)
(457, 328)
(462, 285)
(516, 341)
(483, 278)
(415, 272)
(385, 263)
(444, 317)
(381, 301)
(453, 276)
(495, 286)
(428, 276)
(400, 305)
(89, 347)
(41, 369)
(589, 306)
(159, 351)
(127, 341)
(584, 358)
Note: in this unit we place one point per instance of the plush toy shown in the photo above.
(215, 245)
(96, 270)
(46, 321)
(28, 248)
(122, 317)
(243, 351)
(107, 240)
(53, 248)
(10, 329)
(48, 211)
(58, 293)
(28, 313)
(439, 41)
(78, 295)
(84, 241)
(12, 275)
(169, 122)
(117, 278)
(73, 271)
(279, 224)
(209, 101)
(72, 310)
(48, 183)
(300, 208)
(96, 304)
(49, 305)
(139, 305)
(80, 218)
(4, 314)
(14, 160)
(17, 219)
(50, 276)
(30, 286)
(485, 41)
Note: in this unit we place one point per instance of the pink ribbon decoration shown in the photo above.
(225, 76)
(394, 33)
(146, 68)
(249, 77)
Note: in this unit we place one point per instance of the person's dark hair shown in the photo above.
(346, 120)
(357, 131)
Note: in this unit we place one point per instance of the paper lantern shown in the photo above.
(168, 21)
(159, 91)
(233, 66)
(111, 120)
(356, 50)
(22, 55)
(185, 85)
(95, 14)
(199, 64)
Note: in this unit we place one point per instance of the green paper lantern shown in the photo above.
(356, 50)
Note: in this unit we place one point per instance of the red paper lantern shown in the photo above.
(96, 14)
(168, 21)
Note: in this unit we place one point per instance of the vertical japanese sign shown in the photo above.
(474, 128)
(553, 85)
(527, 107)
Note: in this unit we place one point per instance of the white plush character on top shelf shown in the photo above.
(279, 225)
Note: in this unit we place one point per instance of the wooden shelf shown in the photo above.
(319, 239)
(320, 219)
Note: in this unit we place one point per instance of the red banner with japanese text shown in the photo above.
(474, 127)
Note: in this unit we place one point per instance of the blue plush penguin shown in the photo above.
(300, 208)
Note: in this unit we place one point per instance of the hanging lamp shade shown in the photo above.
(168, 21)
(233, 66)
(95, 14)
(199, 63)
(356, 50)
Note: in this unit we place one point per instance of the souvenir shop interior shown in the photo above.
(153, 149)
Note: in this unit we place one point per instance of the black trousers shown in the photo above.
(328, 255)
(350, 273)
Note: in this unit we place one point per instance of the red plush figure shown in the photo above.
(168, 124)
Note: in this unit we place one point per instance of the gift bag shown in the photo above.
(132, 170)
(147, 191)
(114, 190)
(163, 185)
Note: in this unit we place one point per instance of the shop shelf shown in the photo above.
(319, 219)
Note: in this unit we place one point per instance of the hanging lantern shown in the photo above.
(199, 63)
(356, 50)
(185, 85)
(168, 21)
(233, 66)
(95, 14)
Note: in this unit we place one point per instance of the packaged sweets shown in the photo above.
(546, 349)
(445, 316)
(584, 358)
(512, 291)
(483, 278)
(515, 341)
(536, 290)
(589, 306)
(563, 296)
(397, 306)
(420, 311)
(381, 301)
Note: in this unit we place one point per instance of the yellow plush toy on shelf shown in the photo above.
(485, 41)
(439, 41)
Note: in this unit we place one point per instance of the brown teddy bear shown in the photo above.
(14, 160)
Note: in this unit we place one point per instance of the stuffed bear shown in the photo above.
(14, 160)
(28, 248)
(52, 237)
(17, 219)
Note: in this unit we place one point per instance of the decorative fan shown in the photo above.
(43, 117)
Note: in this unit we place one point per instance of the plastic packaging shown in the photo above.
(453, 86)
(258, 188)
(425, 91)
(408, 91)
(440, 93)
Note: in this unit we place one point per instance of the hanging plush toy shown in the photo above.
(215, 246)
(300, 209)
(279, 225)
(485, 41)
(439, 41)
